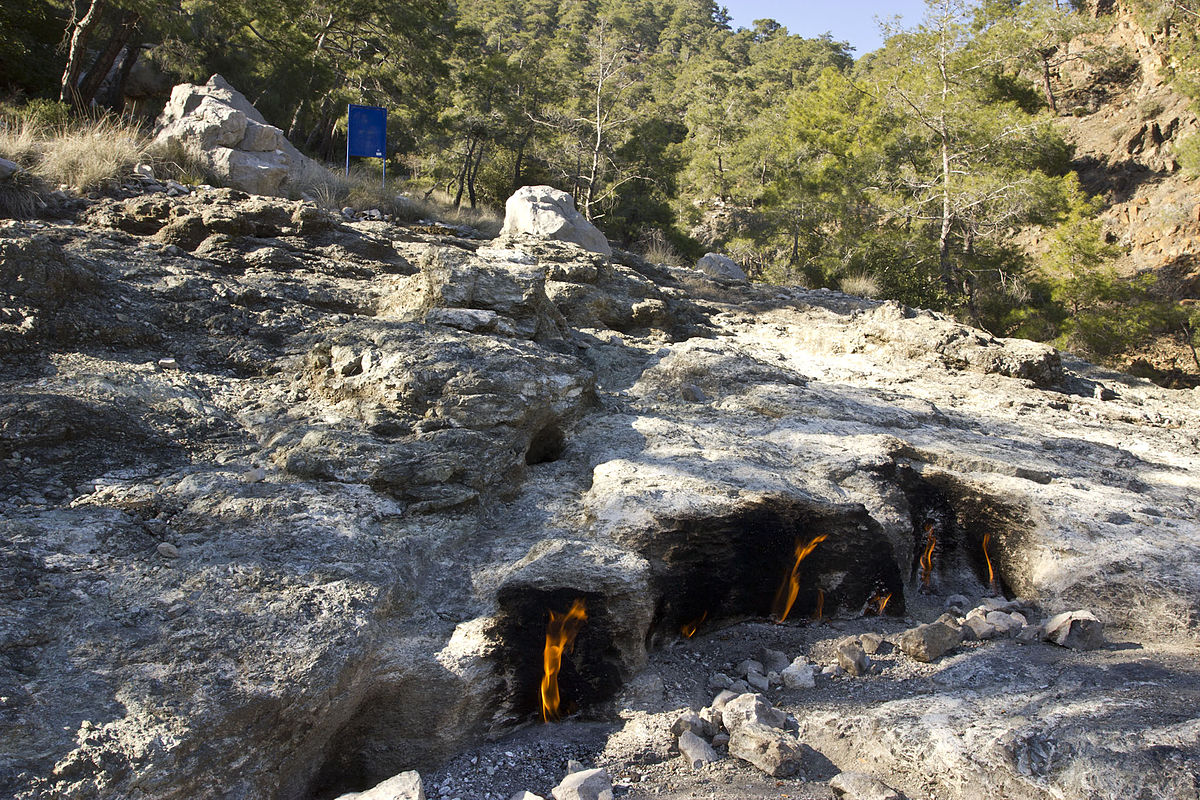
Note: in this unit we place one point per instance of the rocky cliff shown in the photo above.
(286, 498)
(1126, 122)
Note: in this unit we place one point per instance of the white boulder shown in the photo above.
(547, 213)
(405, 786)
(718, 266)
(233, 140)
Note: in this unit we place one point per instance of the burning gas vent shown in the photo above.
(782, 559)
(557, 655)
(962, 539)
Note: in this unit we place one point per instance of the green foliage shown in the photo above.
(1102, 314)
(40, 113)
(30, 31)
(1188, 153)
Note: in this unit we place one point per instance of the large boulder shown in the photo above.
(233, 140)
(547, 213)
(8, 169)
(718, 266)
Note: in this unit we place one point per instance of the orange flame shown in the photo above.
(820, 605)
(560, 635)
(987, 537)
(790, 587)
(689, 628)
(927, 556)
(879, 602)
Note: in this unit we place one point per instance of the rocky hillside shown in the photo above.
(1126, 125)
(286, 499)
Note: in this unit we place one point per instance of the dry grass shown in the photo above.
(19, 142)
(92, 155)
(84, 157)
(485, 219)
(20, 195)
(860, 284)
(362, 189)
(656, 249)
(183, 163)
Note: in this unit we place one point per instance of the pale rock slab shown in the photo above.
(929, 642)
(233, 139)
(548, 213)
(695, 750)
(718, 266)
(774, 751)
(751, 708)
(800, 675)
(1078, 630)
(861, 786)
(405, 786)
(588, 784)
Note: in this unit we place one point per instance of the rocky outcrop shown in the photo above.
(232, 139)
(286, 500)
(716, 265)
(544, 212)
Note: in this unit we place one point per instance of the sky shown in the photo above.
(848, 20)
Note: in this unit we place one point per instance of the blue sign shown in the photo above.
(367, 132)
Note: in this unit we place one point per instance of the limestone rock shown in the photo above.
(588, 784)
(774, 751)
(525, 795)
(852, 658)
(773, 660)
(873, 643)
(861, 786)
(1078, 630)
(8, 169)
(233, 139)
(405, 786)
(979, 627)
(929, 642)
(546, 212)
(695, 750)
(719, 266)
(691, 721)
(751, 708)
(799, 675)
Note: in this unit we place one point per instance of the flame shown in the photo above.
(879, 602)
(689, 628)
(790, 587)
(560, 635)
(820, 605)
(991, 574)
(927, 556)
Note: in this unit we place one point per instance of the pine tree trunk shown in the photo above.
(123, 31)
(947, 209)
(116, 98)
(1047, 86)
(68, 89)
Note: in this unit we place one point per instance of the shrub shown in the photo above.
(657, 249)
(176, 161)
(1188, 153)
(91, 155)
(20, 196)
(362, 189)
(860, 284)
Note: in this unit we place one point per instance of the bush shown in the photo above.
(20, 196)
(179, 162)
(860, 284)
(1188, 153)
(362, 189)
(656, 248)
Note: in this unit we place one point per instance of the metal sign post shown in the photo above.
(366, 135)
